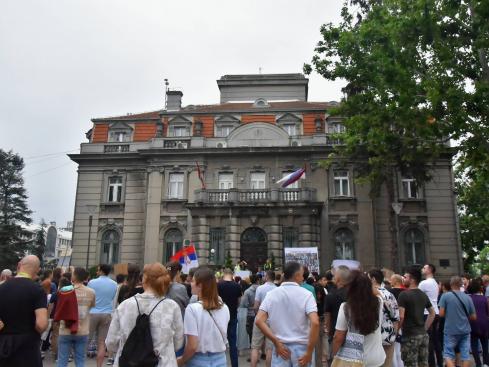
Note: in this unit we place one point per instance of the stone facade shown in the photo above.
(141, 172)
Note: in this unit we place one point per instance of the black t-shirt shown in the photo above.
(333, 302)
(19, 298)
(414, 301)
(396, 292)
(125, 293)
(230, 292)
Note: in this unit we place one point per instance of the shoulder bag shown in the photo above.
(351, 352)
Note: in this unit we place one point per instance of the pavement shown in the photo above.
(90, 362)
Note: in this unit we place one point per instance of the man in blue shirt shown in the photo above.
(100, 315)
(458, 309)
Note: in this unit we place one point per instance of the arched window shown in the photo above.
(344, 244)
(109, 253)
(173, 242)
(414, 246)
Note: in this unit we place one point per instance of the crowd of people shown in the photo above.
(161, 317)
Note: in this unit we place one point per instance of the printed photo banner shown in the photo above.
(307, 256)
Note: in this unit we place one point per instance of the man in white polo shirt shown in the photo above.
(293, 322)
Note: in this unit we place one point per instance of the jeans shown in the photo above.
(451, 342)
(78, 343)
(474, 341)
(207, 360)
(296, 351)
(233, 349)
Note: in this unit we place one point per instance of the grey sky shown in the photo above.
(65, 62)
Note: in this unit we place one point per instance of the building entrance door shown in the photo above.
(254, 249)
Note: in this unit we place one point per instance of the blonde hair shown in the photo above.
(157, 277)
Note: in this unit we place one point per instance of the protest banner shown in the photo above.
(307, 256)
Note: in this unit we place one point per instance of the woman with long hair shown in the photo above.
(205, 324)
(360, 315)
(479, 327)
(133, 284)
(165, 317)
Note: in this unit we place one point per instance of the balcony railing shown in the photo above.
(178, 143)
(235, 196)
(116, 148)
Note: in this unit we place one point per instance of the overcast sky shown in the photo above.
(65, 62)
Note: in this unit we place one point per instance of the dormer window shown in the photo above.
(290, 123)
(225, 124)
(179, 127)
(120, 132)
(261, 102)
(290, 128)
(178, 131)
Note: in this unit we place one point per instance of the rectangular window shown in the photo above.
(336, 129)
(290, 237)
(290, 128)
(115, 189)
(294, 185)
(175, 186)
(257, 180)
(225, 181)
(223, 131)
(409, 188)
(216, 246)
(179, 131)
(341, 183)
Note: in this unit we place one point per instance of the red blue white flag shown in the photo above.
(187, 257)
(291, 177)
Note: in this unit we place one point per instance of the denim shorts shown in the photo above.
(450, 342)
(207, 360)
(296, 351)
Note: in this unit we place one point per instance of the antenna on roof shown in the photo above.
(166, 91)
(259, 70)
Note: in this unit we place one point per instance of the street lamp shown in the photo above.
(91, 210)
(211, 256)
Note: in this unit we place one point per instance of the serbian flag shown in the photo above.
(201, 176)
(291, 177)
(187, 257)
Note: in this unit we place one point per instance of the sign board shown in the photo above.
(120, 269)
(243, 274)
(350, 264)
(307, 256)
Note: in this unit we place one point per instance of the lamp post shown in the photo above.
(211, 256)
(91, 210)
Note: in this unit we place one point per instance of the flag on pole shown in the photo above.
(187, 257)
(291, 177)
(201, 176)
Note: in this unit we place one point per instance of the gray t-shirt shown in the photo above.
(178, 293)
(248, 300)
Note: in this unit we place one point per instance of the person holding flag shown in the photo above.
(187, 257)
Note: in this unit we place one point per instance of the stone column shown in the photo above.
(152, 221)
(275, 240)
(200, 232)
(306, 231)
(233, 240)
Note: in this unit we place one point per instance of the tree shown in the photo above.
(13, 210)
(39, 244)
(228, 261)
(416, 77)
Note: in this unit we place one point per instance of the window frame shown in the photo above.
(264, 180)
(220, 180)
(119, 186)
(110, 258)
(407, 188)
(177, 195)
(410, 247)
(218, 233)
(336, 234)
(176, 246)
(341, 180)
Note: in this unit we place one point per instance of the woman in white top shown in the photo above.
(205, 324)
(361, 314)
(165, 320)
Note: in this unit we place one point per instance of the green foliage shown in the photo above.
(228, 262)
(13, 210)
(272, 260)
(93, 271)
(38, 246)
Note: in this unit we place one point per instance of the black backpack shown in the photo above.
(138, 350)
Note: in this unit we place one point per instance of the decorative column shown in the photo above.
(306, 231)
(153, 212)
(200, 234)
(275, 240)
(234, 236)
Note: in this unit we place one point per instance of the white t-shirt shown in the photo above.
(430, 288)
(198, 322)
(262, 291)
(288, 307)
(373, 351)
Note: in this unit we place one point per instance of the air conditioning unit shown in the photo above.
(295, 143)
(221, 144)
(182, 145)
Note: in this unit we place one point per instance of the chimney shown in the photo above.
(173, 100)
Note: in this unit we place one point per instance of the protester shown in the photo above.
(177, 291)
(458, 309)
(333, 301)
(444, 288)
(412, 303)
(322, 351)
(85, 298)
(430, 287)
(23, 311)
(465, 282)
(243, 339)
(361, 314)
(100, 315)
(133, 283)
(390, 315)
(305, 284)
(396, 289)
(480, 327)
(5, 275)
(257, 338)
(165, 317)
(248, 302)
(230, 293)
(205, 324)
(294, 339)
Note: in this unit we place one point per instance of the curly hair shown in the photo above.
(362, 306)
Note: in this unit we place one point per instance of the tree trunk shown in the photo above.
(390, 185)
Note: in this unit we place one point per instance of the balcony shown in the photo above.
(238, 196)
(116, 148)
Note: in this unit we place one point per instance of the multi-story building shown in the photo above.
(148, 182)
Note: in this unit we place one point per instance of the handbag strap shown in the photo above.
(218, 328)
(463, 304)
